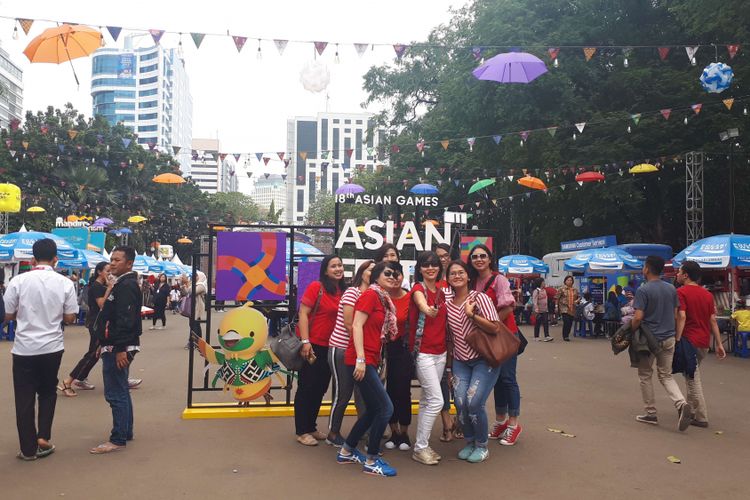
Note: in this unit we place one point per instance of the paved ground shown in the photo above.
(578, 387)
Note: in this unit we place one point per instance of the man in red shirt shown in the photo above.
(696, 322)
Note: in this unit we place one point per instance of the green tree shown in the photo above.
(273, 214)
(238, 207)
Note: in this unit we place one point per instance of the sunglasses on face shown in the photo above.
(391, 274)
(479, 256)
(430, 264)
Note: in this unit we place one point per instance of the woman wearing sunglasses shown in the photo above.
(427, 339)
(374, 323)
(485, 278)
(473, 377)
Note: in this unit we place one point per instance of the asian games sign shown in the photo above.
(409, 235)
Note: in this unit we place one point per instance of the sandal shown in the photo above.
(105, 448)
(67, 390)
(447, 436)
(307, 440)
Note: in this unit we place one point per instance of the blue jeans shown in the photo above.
(117, 394)
(377, 413)
(507, 393)
(472, 383)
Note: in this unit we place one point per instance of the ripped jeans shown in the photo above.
(472, 383)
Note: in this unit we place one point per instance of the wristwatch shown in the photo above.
(361, 360)
(305, 341)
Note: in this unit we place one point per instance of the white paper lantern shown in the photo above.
(315, 76)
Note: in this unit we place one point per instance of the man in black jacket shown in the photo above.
(120, 341)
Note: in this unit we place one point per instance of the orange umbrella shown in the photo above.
(169, 179)
(532, 182)
(185, 240)
(64, 43)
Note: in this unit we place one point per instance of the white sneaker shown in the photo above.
(160, 328)
(152, 328)
(134, 382)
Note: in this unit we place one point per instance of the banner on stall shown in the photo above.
(96, 242)
(78, 237)
(251, 266)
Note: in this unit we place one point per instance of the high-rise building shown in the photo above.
(147, 89)
(333, 147)
(204, 164)
(228, 182)
(270, 189)
(11, 90)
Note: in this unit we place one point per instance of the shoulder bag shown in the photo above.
(286, 345)
(496, 347)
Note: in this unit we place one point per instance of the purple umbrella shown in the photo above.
(350, 188)
(103, 221)
(511, 67)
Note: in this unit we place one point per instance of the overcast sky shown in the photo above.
(236, 97)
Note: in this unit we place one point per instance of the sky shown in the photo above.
(239, 99)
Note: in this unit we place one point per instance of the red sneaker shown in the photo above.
(511, 435)
(498, 429)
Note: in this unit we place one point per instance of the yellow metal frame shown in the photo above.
(232, 410)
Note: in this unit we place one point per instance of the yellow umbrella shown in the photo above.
(643, 168)
(137, 218)
(185, 240)
(72, 218)
(168, 179)
(532, 182)
(63, 43)
(35, 209)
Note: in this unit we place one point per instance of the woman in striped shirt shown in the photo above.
(343, 383)
(473, 377)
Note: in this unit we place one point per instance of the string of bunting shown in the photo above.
(475, 50)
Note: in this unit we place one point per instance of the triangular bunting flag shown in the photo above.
(445, 143)
(106, 163)
(665, 113)
(114, 32)
(457, 182)
(696, 108)
(12, 153)
(580, 127)
(72, 134)
(266, 175)
(471, 141)
(395, 149)
(360, 48)
(562, 187)
(281, 155)
(691, 52)
(324, 154)
(460, 206)
(524, 135)
(497, 139)
(400, 49)
(151, 145)
(259, 156)
(303, 155)
(265, 160)
(197, 39)
(176, 150)
(283, 177)
(61, 147)
(14, 123)
(528, 195)
(25, 24)
(636, 118)
(728, 102)
(349, 152)
(477, 203)
(9, 143)
(286, 163)
(126, 142)
(553, 52)
(664, 52)
(732, 49)
(156, 35)
(236, 156)
(589, 52)
(477, 53)
(426, 170)
(320, 47)
(239, 42)
(440, 182)
(281, 45)
(140, 166)
(552, 131)
(420, 146)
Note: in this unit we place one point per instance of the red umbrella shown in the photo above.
(590, 177)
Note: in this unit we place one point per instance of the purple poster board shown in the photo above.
(307, 272)
(251, 266)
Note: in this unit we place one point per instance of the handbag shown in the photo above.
(286, 345)
(186, 305)
(496, 347)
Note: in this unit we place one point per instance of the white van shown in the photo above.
(556, 263)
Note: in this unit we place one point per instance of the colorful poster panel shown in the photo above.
(469, 242)
(250, 266)
(307, 272)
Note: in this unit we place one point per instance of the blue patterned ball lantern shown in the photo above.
(716, 77)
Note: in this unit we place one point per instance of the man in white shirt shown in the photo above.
(39, 301)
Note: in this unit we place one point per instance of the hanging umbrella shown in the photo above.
(350, 188)
(432, 222)
(87, 259)
(35, 209)
(643, 168)
(424, 189)
(185, 241)
(603, 260)
(137, 218)
(589, 177)
(121, 231)
(304, 252)
(103, 221)
(18, 246)
(169, 179)
(720, 251)
(522, 264)
(532, 182)
(511, 67)
(481, 185)
(63, 43)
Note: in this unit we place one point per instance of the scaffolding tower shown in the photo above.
(694, 196)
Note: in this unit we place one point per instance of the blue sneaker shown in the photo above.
(379, 468)
(356, 457)
(478, 455)
(466, 452)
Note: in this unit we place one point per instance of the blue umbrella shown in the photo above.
(522, 264)
(304, 252)
(424, 189)
(122, 230)
(719, 252)
(18, 246)
(603, 260)
(87, 259)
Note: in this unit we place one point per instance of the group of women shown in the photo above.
(373, 337)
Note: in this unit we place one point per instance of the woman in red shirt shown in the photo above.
(427, 339)
(315, 329)
(374, 323)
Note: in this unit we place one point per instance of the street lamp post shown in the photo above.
(729, 135)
